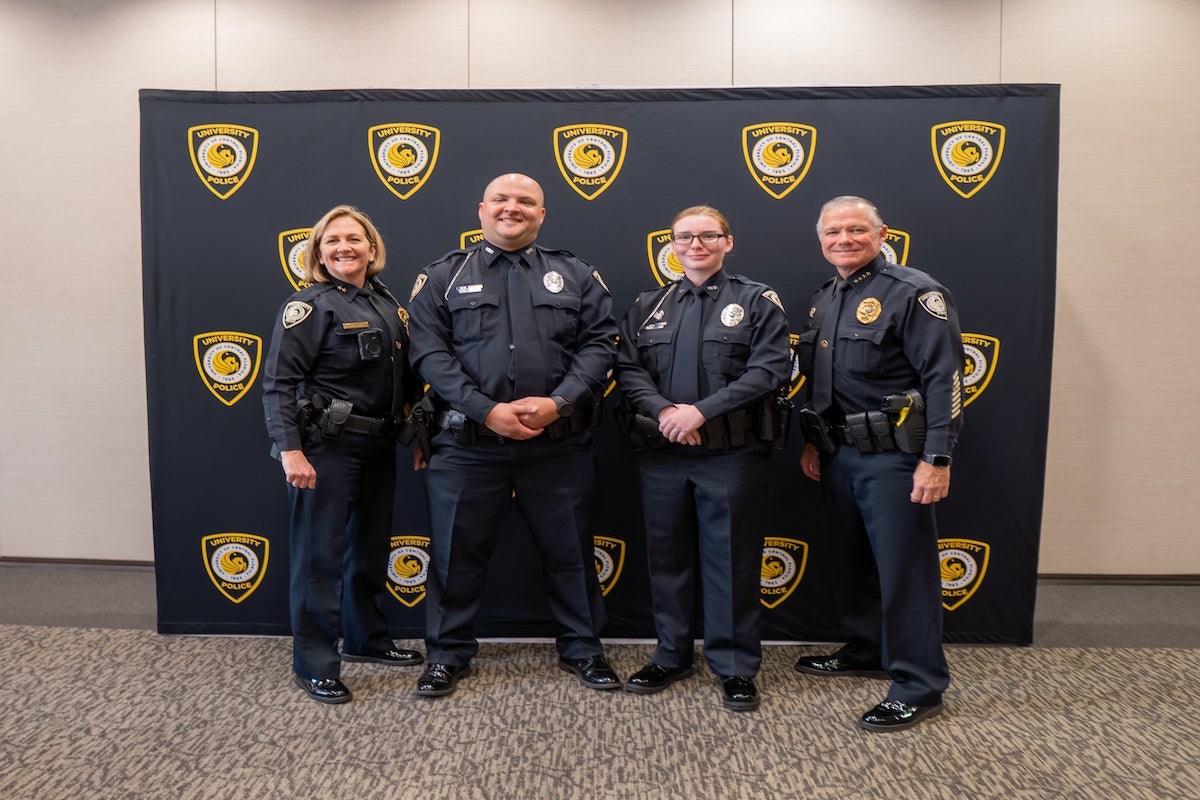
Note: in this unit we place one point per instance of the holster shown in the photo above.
(817, 432)
(419, 425)
(906, 413)
(640, 431)
(334, 418)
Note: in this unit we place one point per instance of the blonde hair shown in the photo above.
(703, 211)
(314, 270)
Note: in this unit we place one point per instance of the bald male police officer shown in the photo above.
(877, 331)
(517, 341)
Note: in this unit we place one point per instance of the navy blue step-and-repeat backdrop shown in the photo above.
(966, 178)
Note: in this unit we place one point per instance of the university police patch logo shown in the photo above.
(235, 562)
(404, 155)
(796, 380)
(981, 353)
(895, 247)
(223, 156)
(610, 560)
(590, 156)
(964, 563)
(967, 153)
(408, 568)
(468, 239)
(228, 362)
(292, 245)
(295, 312)
(783, 562)
(664, 264)
(778, 154)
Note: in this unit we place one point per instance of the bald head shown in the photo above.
(512, 211)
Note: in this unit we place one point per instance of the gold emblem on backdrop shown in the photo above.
(223, 156)
(291, 255)
(778, 154)
(235, 562)
(610, 560)
(981, 353)
(227, 362)
(590, 156)
(967, 153)
(895, 247)
(796, 380)
(470, 238)
(964, 562)
(404, 155)
(783, 562)
(408, 568)
(664, 264)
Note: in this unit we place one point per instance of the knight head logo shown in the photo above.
(967, 153)
(783, 562)
(590, 156)
(223, 156)
(964, 562)
(778, 154)
(404, 155)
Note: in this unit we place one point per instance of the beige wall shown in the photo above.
(74, 479)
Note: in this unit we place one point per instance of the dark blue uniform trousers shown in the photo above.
(704, 514)
(339, 549)
(470, 490)
(889, 591)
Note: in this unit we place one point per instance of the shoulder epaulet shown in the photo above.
(909, 275)
(742, 279)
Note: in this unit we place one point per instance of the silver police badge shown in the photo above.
(553, 281)
(732, 315)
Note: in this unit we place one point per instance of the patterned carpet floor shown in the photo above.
(94, 713)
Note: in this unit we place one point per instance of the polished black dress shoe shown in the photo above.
(895, 715)
(738, 692)
(835, 664)
(594, 672)
(325, 690)
(392, 657)
(653, 678)
(441, 679)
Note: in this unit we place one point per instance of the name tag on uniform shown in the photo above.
(352, 325)
(469, 288)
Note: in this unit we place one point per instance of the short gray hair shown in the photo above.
(852, 200)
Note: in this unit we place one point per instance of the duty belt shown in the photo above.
(356, 423)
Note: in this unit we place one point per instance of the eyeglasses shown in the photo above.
(687, 238)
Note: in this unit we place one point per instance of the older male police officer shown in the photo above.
(516, 340)
(882, 344)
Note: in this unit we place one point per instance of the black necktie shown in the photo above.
(685, 365)
(527, 368)
(822, 397)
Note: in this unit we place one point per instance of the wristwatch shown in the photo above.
(937, 460)
(565, 407)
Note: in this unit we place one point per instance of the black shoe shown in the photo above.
(834, 664)
(594, 672)
(392, 657)
(738, 692)
(441, 679)
(325, 690)
(653, 678)
(894, 715)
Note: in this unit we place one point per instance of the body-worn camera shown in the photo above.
(370, 345)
